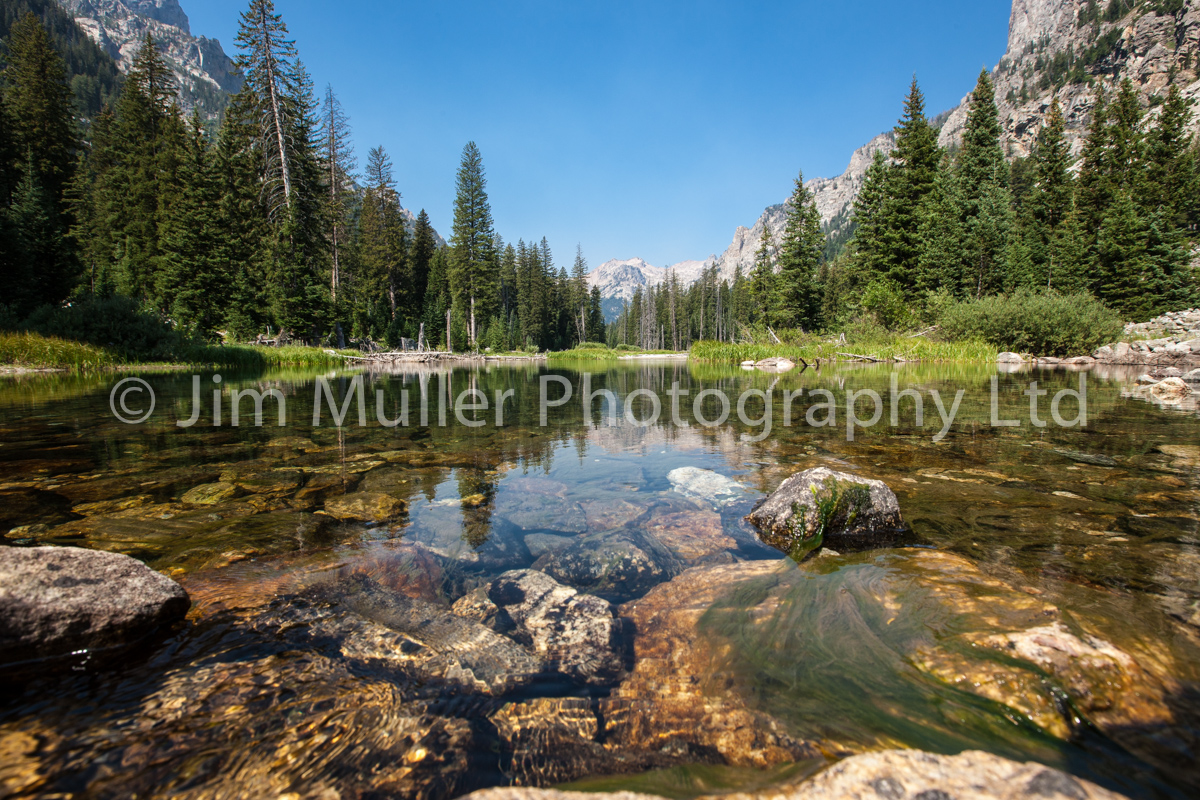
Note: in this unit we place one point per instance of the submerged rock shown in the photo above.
(821, 507)
(892, 775)
(1170, 390)
(577, 634)
(58, 601)
(365, 507)
(679, 697)
(846, 638)
(367, 622)
(704, 484)
(616, 565)
(211, 494)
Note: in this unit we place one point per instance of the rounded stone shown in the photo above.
(58, 601)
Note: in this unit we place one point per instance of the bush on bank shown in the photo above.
(1041, 323)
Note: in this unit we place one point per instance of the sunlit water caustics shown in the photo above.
(1047, 608)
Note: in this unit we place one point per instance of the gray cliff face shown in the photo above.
(205, 74)
(1145, 46)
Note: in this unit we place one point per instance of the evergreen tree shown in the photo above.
(191, 275)
(420, 258)
(1049, 208)
(1171, 168)
(437, 298)
(268, 62)
(896, 253)
(595, 324)
(338, 165)
(796, 296)
(39, 108)
(382, 248)
(762, 279)
(473, 267)
(579, 295)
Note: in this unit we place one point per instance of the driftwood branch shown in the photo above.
(857, 357)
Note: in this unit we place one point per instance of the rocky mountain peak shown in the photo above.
(206, 75)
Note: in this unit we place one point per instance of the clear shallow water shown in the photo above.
(1101, 523)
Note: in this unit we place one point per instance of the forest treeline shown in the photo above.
(264, 226)
(933, 228)
(261, 227)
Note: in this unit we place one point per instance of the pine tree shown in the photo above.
(36, 267)
(987, 207)
(869, 218)
(1049, 205)
(595, 325)
(473, 267)
(1171, 164)
(39, 108)
(579, 294)
(338, 165)
(762, 278)
(268, 61)
(298, 270)
(148, 145)
(420, 258)
(382, 247)
(241, 249)
(191, 275)
(981, 161)
(909, 182)
(796, 296)
(437, 298)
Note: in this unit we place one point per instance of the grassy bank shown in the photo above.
(602, 353)
(35, 351)
(918, 348)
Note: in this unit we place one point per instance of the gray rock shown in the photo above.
(57, 601)
(616, 565)
(820, 506)
(368, 622)
(1192, 377)
(1105, 353)
(576, 634)
(704, 484)
(892, 775)
(1009, 358)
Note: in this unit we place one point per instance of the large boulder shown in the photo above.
(822, 507)
(1171, 390)
(1010, 358)
(59, 601)
(893, 775)
(576, 634)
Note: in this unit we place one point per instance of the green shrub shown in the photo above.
(885, 301)
(627, 348)
(591, 346)
(116, 324)
(1044, 324)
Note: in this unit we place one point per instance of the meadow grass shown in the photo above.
(594, 353)
(818, 349)
(33, 351)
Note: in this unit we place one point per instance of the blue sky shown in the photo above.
(633, 128)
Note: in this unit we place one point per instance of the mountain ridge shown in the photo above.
(205, 74)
